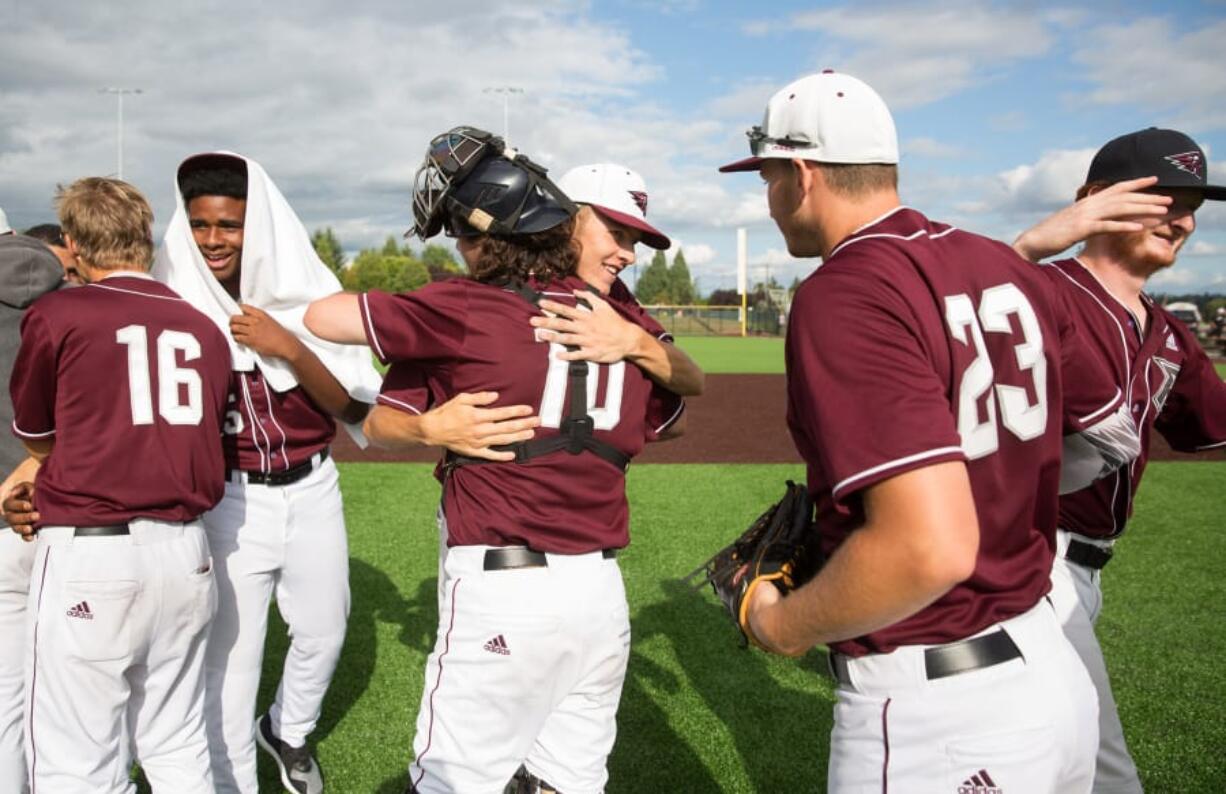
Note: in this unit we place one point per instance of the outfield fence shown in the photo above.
(763, 320)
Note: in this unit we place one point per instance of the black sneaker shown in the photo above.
(299, 772)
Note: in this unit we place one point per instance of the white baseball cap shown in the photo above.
(4, 223)
(615, 192)
(828, 118)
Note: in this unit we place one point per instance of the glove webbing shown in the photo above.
(575, 432)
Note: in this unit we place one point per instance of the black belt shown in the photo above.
(108, 531)
(287, 477)
(1087, 554)
(952, 659)
(512, 557)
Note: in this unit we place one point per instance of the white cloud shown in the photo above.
(1173, 277)
(1204, 248)
(1147, 63)
(1049, 183)
(917, 53)
(930, 147)
(695, 253)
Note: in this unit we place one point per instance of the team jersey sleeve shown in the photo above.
(864, 397)
(427, 323)
(1099, 433)
(405, 388)
(663, 410)
(32, 384)
(620, 295)
(1193, 417)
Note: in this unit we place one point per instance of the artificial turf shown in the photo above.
(699, 714)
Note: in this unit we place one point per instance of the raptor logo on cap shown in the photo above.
(640, 200)
(1189, 162)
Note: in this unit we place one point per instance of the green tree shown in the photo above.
(653, 286)
(440, 262)
(680, 285)
(373, 269)
(329, 249)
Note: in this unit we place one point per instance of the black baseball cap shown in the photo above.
(1167, 154)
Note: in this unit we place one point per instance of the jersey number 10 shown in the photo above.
(171, 376)
(604, 417)
(980, 437)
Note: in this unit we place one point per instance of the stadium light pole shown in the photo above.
(119, 95)
(505, 91)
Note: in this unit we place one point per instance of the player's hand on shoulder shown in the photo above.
(464, 425)
(19, 511)
(254, 328)
(602, 335)
(1118, 209)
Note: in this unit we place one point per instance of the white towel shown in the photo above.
(281, 274)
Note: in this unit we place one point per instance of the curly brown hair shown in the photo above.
(546, 256)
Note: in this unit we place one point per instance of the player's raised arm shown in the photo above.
(336, 318)
(1117, 209)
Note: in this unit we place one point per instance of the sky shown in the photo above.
(999, 105)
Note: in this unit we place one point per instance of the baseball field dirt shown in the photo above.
(740, 419)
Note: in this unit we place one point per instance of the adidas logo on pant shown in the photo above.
(980, 783)
(498, 645)
(81, 610)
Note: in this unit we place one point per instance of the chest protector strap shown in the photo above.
(575, 433)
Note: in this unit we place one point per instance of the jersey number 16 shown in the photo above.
(171, 403)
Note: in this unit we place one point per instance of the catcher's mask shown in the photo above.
(471, 184)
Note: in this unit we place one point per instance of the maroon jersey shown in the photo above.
(917, 343)
(1169, 383)
(270, 431)
(466, 337)
(130, 381)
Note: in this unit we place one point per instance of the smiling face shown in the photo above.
(606, 249)
(217, 227)
(1156, 246)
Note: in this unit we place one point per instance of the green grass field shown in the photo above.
(721, 354)
(698, 714)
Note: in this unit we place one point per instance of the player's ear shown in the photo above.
(804, 172)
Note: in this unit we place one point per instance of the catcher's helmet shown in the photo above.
(471, 184)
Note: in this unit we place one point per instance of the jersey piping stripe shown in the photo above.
(878, 219)
(370, 328)
(885, 741)
(281, 430)
(38, 609)
(136, 292)
(254, 419)
(668, 422)
(932, 453)
(903, 237)
(383, 398)
(27, 434)
(1112, 403)
(1213, 445)
(437, 681)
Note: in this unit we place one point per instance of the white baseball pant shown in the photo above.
(1076, 592)
(1025, 725)
(16, 558)
(288, 541)
(527, 669)
(118, 627)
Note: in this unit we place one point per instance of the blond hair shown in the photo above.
(853, 180)
(109, 222)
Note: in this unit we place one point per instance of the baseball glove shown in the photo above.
(780, 547)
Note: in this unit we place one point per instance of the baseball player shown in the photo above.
(926, 393)
(119, 391)
(533, 633)
(234, 245)
(27, 271)
(1157, 363)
